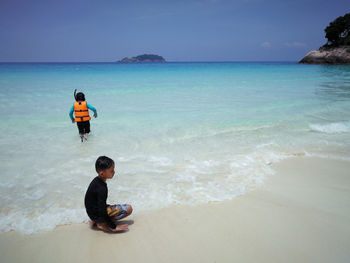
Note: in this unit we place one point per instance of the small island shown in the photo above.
(337, 49)
(143, 58)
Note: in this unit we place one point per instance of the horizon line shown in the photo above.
(116, 62)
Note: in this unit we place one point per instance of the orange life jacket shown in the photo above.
(81, 111)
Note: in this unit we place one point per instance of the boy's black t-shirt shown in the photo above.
(95, 202)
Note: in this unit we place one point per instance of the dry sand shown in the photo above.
(300, 214)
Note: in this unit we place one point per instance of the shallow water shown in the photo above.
(183, 133)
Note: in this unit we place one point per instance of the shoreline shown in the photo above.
(299, 214)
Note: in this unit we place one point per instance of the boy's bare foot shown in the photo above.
(103, 227)
(92, 224)
(120, 228)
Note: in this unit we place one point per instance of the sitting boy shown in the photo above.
(96, 196)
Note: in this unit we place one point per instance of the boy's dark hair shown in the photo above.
(80, 96)
(103, 163)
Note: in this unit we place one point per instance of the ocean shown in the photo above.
(180, 133)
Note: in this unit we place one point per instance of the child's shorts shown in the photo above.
(117, 211)
(83, 127)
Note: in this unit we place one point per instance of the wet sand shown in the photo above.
(300, 214)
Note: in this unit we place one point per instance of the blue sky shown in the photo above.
(179, 30)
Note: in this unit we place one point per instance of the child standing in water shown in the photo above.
(101, 214)
(81, 111)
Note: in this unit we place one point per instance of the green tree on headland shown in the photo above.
(338, 32)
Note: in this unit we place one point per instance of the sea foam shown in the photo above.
(331, 128)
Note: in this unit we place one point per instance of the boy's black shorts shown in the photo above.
(84, 127)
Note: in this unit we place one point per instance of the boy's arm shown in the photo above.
(71, 113)
(102, 209)
(106, 224)
(92, 108)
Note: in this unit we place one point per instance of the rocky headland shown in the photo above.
(143, 58)
(328, 56)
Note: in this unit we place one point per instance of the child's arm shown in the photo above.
(71, 113)
(92, 108)
(108, 225)
(104, 223)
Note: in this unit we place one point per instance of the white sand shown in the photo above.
(301, 214)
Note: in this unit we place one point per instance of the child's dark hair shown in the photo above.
(80, 96)
(103, 163)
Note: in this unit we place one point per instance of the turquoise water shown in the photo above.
(180, 133)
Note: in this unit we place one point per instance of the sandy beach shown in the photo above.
(300, 214)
